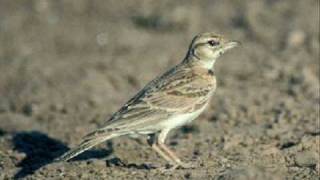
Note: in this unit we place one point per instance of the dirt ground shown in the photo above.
(66, 66)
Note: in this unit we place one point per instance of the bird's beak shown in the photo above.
(231, 44)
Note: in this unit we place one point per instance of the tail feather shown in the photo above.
(85, 145)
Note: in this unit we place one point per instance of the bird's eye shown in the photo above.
(213, 43)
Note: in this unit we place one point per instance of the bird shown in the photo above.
(168, 102)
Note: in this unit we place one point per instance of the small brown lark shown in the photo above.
(171, 100)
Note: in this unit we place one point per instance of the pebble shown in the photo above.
(306, 159)
(98, 163)
(102, 39)
(296, 38)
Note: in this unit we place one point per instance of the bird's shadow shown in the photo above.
(41, 150)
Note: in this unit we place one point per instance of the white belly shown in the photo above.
(180, 120)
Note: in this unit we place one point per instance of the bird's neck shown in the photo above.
(208, 64)
(200, 62)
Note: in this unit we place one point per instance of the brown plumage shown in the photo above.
(169, 101)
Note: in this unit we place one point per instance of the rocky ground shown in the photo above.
(66, 66)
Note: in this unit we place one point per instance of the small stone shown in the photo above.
(102, 39)
(98, 162)
(28, 109)
(306, 159)
(187, 175)
(296, 38)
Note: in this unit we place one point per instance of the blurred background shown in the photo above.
(66, 66)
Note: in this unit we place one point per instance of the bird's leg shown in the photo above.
(152, 141)
(161, 142)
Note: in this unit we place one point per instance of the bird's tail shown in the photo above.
(90, 141)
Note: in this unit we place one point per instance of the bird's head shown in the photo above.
(205, 48)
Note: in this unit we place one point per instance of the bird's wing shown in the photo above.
(180, 90)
